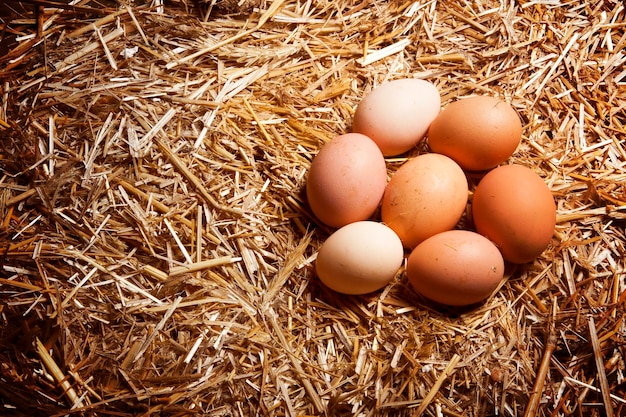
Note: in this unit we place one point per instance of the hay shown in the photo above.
(157, 249)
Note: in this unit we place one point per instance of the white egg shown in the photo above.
(397, 114)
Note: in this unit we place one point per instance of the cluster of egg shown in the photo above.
(512, 209)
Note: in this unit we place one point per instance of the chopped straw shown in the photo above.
(157, 249)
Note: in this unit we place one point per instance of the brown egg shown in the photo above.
(346, 180)
(457, 267)
(478, 132)
(427, 195)
(513, 207)
(396, 114)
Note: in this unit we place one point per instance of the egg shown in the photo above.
(426, 195)
(478, 132)
(456, 267)
(359, 258)
(397, 114)
(513, 207)
(346, 180)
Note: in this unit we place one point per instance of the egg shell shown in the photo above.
(514, 208)
(359, 258)
(478, 132)
(397, 114)
(456, 267)
(346, 180)
(427, 195)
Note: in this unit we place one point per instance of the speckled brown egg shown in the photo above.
(478, 132)
(427, 195)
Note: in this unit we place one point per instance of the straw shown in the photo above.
(158, 250)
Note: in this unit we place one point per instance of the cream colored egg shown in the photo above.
(359, 258)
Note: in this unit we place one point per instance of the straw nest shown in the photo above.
(157, 251)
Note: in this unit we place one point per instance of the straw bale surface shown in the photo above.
(157, 252)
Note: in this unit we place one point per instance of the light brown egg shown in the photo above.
(359, 258)
(427, 195)
(478, 132)
(457, 267)
(397, 114)
(513, 207)
(346, 180)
